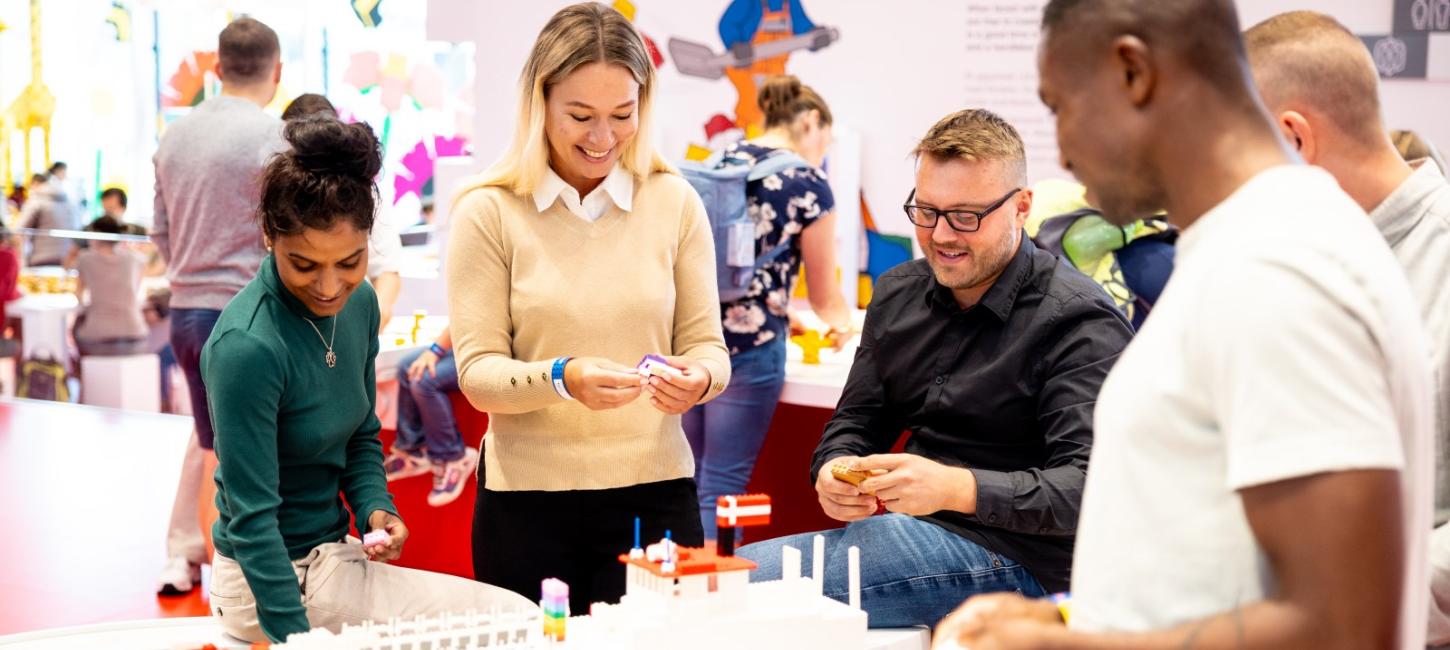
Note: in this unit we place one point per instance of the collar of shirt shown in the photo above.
(1002, 294)
(1398, 214)
(617, 188)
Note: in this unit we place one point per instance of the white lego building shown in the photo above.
(705, 603)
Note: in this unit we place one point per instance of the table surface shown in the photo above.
(42, 302)
(195, 631)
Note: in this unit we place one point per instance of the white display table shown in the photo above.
(819, 385)
(45, 323)
(190, 633)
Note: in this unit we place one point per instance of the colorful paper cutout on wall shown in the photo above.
(368, 12)
(759, 37)
(367, 72)
(188, 84)
(419, 165)
(119, 18)
(627, 9)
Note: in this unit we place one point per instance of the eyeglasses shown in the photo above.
(959, 220)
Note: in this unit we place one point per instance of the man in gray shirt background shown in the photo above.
(208, 169)
(1321, 87)
(48, 208)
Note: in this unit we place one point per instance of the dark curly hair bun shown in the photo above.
(324, 145)
(327, 175)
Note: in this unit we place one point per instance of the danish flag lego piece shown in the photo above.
(742, 510)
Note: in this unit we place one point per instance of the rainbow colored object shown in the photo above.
(555, 604)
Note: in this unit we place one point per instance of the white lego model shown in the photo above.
(675, 597)
(708, 603)
(510, 628)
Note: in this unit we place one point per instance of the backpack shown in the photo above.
(720, 182)
(43, 379)
(1132, 263)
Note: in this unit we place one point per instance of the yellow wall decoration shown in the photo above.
(32, 109)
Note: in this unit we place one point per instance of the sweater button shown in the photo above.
(940, 380)
(992, 518)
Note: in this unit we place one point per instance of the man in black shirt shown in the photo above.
(990, 352)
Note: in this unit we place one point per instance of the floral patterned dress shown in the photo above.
(782, 205)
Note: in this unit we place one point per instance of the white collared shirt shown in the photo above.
(617, 188)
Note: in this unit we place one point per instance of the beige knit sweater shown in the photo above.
(525, 287)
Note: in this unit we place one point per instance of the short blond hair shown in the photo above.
(576, 36)
(976, 134)
(1309, 57)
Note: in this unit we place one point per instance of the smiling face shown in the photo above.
(969, 262)
(1100, 132)
(322, 268)
(591, 116)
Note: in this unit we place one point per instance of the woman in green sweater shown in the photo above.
(289, 372)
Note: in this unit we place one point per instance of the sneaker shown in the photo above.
(178, 577)
(450, 477)
(401, 464)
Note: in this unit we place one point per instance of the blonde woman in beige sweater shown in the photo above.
(554, 299)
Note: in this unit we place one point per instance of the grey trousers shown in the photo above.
(341, 586)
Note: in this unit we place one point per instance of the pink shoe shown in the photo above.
(450, 477)
(401, 464)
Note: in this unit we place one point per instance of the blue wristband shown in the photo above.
(558, 376)
(437, 350)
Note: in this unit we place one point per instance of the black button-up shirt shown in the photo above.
(1004, 388)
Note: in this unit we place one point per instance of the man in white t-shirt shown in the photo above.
(1261, 474)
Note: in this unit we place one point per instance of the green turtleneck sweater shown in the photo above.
(291, 434)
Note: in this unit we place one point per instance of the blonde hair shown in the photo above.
(578, 35)
(976, 134)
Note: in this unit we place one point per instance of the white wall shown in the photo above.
(898, 67)
(1417, 105)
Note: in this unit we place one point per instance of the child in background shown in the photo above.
(428, 438)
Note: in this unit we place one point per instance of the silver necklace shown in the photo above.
(330, 358)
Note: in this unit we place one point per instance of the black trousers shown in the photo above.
(522, 537)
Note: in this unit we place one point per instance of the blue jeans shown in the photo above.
(425, 416)
(913, 572)
(190, 328)
(726, 433)
(168, 361)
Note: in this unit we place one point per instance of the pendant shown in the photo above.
(331, 359)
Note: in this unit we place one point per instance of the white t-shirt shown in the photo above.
(1287, 343)
(385, 244)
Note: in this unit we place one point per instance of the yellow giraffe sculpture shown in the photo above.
(5, 177)
(35, 105)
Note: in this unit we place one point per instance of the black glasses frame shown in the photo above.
(926, 217)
